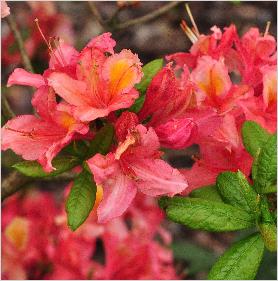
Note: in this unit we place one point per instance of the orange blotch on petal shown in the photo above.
(211, 77)
(122, 71)
(17, 233)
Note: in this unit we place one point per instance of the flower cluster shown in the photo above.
(221, 82)
(93, 84)
(38, 244)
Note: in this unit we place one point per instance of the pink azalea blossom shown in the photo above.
(101, 84)
(135, 165)
(41, 138)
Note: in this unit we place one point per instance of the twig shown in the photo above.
(16, 181)
(13, 26)
(5, 107)
(149, 16)
(97, 15)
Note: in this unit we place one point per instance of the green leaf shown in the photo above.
(207, 192)
(266, 172)
(254, 136)
(77, 148)
(207, 215)
(137, 104)
(81, 199)
(255, 165)
(102, 141)
(149, 70)
(241, 261)
(197, 258)
(236, 191)
(34, 169)
(269, 235)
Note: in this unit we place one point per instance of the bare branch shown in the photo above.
(5, 107)
(16, 181)
(97, 15)
(149, 16)
(13, 26)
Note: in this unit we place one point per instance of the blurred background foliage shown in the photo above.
(194, 251)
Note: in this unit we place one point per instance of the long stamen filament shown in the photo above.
(267, 28)
(192, 20)
(42, 35)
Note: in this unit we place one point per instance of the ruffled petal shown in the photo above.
(122, 71)
(103, 42)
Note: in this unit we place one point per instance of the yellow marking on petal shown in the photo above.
(99, 197)
(17, 232)
(122, 75)
(67, 120)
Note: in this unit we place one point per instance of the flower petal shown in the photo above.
(119, 191)
(72, 91)
(23, 77)
(176, 133)
(156, 177)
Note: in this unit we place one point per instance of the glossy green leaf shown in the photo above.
(34, 169)
(266, 165)
(207, 192)
(269, 235)
(207, 215)
(81, 199)
(149, 70)
(102, 140)
(235, 190)
(241, 261)
(253, 136)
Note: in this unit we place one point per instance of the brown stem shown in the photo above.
(5, 107)
(16, 181)
(13, 26)
(97, 15)
(149, 16)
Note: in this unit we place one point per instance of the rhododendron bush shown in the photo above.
(107, 120)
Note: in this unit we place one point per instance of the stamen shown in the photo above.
(58, 47)
(192, 20)
(190, 34)
(42, 35)
(267, 28)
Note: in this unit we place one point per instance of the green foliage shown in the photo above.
(197, 258)
(35, 170)
(235, 190)
(253, 136)
(149, 70)
(81, 199)
(241, 261)
(207, 192)
(198, 213)
(235, 204)
(102, 140)
(266, 165)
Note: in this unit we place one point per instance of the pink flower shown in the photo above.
(41, 138)
(135, 165)
(102, 84)
(5, 10)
